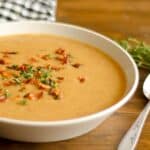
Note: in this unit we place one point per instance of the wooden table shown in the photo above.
(116, 19)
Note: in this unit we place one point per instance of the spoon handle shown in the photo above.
(130, 139)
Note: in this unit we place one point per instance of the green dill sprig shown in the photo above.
(139, 50)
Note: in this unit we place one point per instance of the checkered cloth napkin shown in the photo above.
(27, 9)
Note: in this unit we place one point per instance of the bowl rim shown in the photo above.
(89, 117)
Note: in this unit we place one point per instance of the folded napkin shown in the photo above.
(13, 10)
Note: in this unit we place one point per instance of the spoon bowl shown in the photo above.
(146, 87)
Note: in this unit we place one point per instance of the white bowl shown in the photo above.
(45, 131)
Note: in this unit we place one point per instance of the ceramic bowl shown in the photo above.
(46, 131)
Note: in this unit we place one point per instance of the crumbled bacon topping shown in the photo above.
(76, 65)
(8, 83)
(27, 81)
(30, 96)
(23, 67)
(55, 93)
(39, 94)
(60, 51)
(9, 52)
(31, 80)
(2, 98)
(2, 62)
(60, 78)
(56, 68)
(22, 88)
(5, 56)
(43, 86)
(33, 60)
(34, 96)
(43, 77)
(6, 74)
(63, 59)
(45, 57)
(81, 79)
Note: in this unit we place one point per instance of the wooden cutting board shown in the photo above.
(116, 19)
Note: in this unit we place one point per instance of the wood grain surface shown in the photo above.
(116, 19)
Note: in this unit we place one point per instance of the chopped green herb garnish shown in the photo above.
(17, 80)
(22, 102)
(26, 75)
(14, 67)
(41, 77)
(53, 83)
(7, 94)
(45, 75)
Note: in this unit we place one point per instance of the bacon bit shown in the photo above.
(31, 81)
(48, 66)
(45, 57)
(6, 74)
(18, 96)
(2, 98)
(5, 56)
(60, 51)
(2, 62)
(43, 86)
(60, 79)
(15, 74)
(8, 83)
(23, 67)
(39, 94)
(9, 53)
(22, 89)
(56, 68)
(30, 96)
(28, 81)
(33, 96)
(33, 59)
(34, 81)
(64, 56)
(81, 79)
(76, 65)
(55, 93)
(63, 60)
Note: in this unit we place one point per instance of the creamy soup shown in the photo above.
(45, 77)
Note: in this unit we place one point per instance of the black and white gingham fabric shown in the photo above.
(13, 10)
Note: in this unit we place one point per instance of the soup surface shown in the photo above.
(45, 77)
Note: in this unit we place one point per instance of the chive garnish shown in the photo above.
(22, 102)
(53, 83)
(41, 77)
(7, 94)
(17, 80)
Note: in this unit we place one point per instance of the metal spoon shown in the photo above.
(130, 139)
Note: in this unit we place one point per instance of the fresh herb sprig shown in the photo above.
(139, 50)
